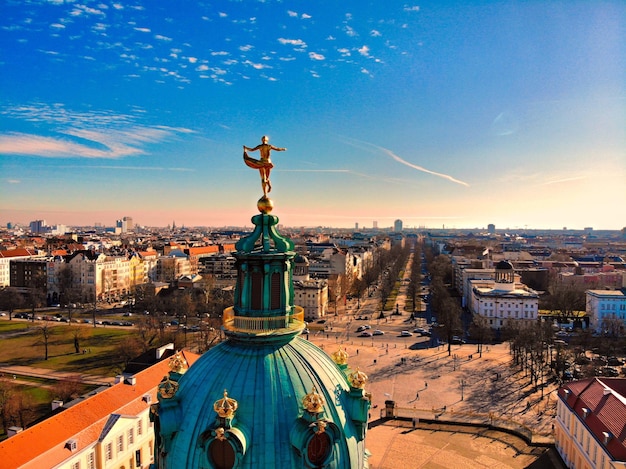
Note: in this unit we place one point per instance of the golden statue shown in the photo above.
(264, 165)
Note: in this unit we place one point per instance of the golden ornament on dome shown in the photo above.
(313, 402)
(340, 357)
(357, 379)
(226, 406)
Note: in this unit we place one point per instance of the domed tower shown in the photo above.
(505, 276)
(301, 268)
(264, 398)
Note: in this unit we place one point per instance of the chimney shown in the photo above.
(56, 404)
(12, 431)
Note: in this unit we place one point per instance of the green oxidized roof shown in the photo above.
(269, 382)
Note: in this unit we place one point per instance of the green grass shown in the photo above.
(22, 344)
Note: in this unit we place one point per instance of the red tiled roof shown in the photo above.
(45, 441)
(18, 253)
(202, 250)
(606, 400)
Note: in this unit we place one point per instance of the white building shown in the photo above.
(604, 305)
(312, 295)
(503, 301)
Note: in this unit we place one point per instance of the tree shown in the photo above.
(78, 334)
(46, 333)
(35, 299)
(126, 350)
(68, 388)
(449, 320)
(564, 299)
(481, 331)
(11, 299)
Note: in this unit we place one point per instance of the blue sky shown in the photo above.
(455, 114)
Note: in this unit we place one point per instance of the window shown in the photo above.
(76, 465)
(131, 436)
(91, 461)
(108, 451)
(139, 427)
(120, 443)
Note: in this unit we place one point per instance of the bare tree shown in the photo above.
(11, 299)
(68, 388)
(46, 333)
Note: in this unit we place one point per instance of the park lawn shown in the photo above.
(100, 357)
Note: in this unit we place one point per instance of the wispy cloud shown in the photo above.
(407, 163)
(563, 180)
(97, 134)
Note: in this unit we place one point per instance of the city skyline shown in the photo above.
(455, 114)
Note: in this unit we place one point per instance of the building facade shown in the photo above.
(590, 425)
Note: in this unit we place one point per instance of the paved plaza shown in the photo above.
(429, 384)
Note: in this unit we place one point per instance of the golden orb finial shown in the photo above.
(265, 205)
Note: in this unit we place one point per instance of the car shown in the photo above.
(127, 314)
(365, 334)
(367, 326)
(419, 330)
(405, 334)
(360, 328)
(3, 314)
(378, 332)
(456, 340)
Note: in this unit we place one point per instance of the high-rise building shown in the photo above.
(491, 228)
(375, 225)
(38, 226)
(397, 226)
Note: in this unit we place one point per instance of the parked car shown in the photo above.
(378, 332)
(365, 334)
(456, 340)
(405, 334)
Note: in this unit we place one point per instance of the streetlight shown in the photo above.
(462, 383)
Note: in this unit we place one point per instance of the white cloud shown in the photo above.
(246, 48)
(202, 68)
(293, 14)
(220, 52)
(256, 65)
(162, 38)
(222, 14)
(13, 181)
(413, 8)
(316, 56)
(306, 16)
(375, 33)
(344, 52)
(143, 30)
(292, 42)
(350, 31)
(192, 60)
(364, 51)
(57, 26)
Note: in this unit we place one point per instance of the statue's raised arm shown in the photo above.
(264, 164)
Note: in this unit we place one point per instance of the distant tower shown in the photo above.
(38, 226)
(491, 228)
(397, 226)
(356, 226)
(375, 225)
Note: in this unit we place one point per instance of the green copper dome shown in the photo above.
(271, 427)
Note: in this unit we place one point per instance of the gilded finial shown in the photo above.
(178, 364)
(313, 402)
(226, 406)
(357, 379)
(340, 357)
